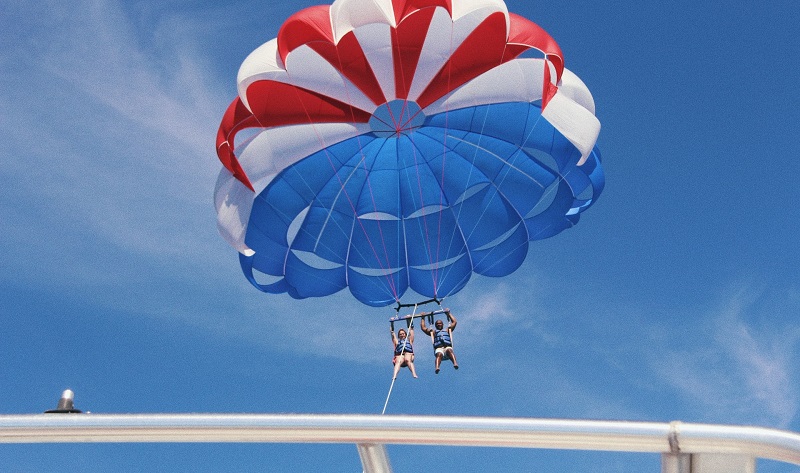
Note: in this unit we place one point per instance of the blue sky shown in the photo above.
(675, 298)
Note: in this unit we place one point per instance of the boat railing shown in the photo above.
(684, 447)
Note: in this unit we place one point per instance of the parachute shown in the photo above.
(388, 145)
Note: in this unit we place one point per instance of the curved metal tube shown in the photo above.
(420, 430)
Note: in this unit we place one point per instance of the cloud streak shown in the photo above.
(161, 88)
(111, 141)
(738, 369)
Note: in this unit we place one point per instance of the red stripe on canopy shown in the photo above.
(277, 103)
(306, 26)
(407, 41)
(349, 59)
(548, 89)
(481, 51)
(528, 34)
(403, 8)
(236, 118)
(312, 27)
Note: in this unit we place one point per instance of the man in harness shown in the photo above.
(442, 338)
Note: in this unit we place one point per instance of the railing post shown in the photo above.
(676, 463)
(718, 462)
(374, 458)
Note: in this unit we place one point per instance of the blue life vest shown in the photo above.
(441, 339)
(403, 346)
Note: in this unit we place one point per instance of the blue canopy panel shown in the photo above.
(421, 208)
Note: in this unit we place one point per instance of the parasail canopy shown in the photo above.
(387, 145)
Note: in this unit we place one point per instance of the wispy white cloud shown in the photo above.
(111, 133)
(334, 327)
(737, 363)
(765, 359)
(739, 368)
(340, 327)
(490, 307)
(161, 87)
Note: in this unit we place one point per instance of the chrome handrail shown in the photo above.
(653, 437)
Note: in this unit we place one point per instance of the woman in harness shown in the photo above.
(442, 339)
(403, 351)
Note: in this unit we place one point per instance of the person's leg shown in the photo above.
(438, 361)
(410, 363)
(452, 356)
(398, 362)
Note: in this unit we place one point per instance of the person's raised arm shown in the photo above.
(451, 318)
(422, 325)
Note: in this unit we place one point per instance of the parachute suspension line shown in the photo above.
(445, 149)
(424, 217)
(318, 241)
(450, 331)
(405, 87)
(466, 183)
(496, 185)
(387, 269)
(500, 260)
(444, 155)
(559, 178)
(434, 254)
(369, 241)
(552, 186)
(423, 228)
(477, 146)
(390, 281)
(441, 204)
(433, 259)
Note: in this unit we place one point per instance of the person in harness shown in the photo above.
(403, 351)
(442, 339)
